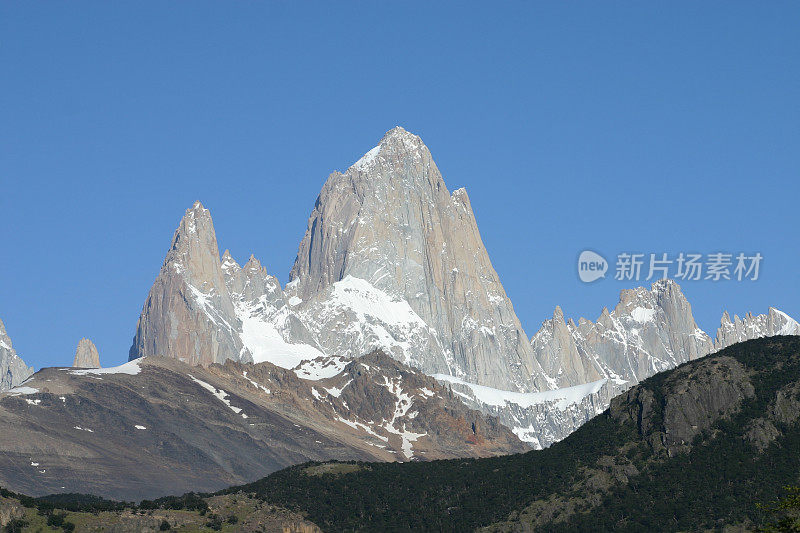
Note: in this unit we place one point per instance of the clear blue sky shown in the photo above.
(636, 126)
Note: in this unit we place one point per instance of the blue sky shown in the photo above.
(647, 127)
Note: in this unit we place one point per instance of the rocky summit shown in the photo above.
(189, 314)
(647, 332)
(13, 369)
(390, 220)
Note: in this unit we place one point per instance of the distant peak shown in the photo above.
(228, 262)
(252, 263)
(558, 314)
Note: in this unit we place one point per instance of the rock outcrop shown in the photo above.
(86, 355)
(13, 369)
(690, 401)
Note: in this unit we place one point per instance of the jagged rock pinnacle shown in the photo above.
(86, 355)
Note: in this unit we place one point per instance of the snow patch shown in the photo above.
(220, 394)
(266, 344)
(563, 398)
(130, 368)
(642, 314)
(22, 391)
(320, 368)
(334, 391)
(367, 159)
(257, 385)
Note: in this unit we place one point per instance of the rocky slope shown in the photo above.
(156, 426)
(13, 369)
(86, 355)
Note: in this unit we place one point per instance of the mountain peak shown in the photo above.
(398, 132)
(189, 298)
(397, 141)
(253, 263)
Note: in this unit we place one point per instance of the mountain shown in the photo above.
(13, 369)
(693, 448)
(86, 355)
(189, 314)
(390, 221)
(391, 260)
(775, 322)
(156, 426)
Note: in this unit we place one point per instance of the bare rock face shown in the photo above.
(389, 220)
(775, 322)
(13, 369)
(189, 314)
(86, 355)
(694, 398)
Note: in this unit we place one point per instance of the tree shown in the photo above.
(785, 513)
